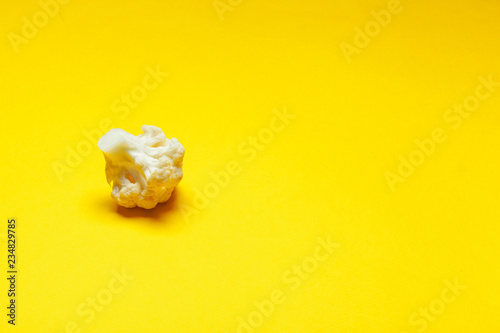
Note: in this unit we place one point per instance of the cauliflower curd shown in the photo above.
(143, 169)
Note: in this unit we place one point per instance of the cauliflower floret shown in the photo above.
(143, 169)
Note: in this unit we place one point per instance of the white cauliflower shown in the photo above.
(144, 169)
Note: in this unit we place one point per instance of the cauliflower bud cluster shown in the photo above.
(143, 169)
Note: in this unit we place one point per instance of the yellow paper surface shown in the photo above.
(340, 175)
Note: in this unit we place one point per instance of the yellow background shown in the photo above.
(323, 175)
